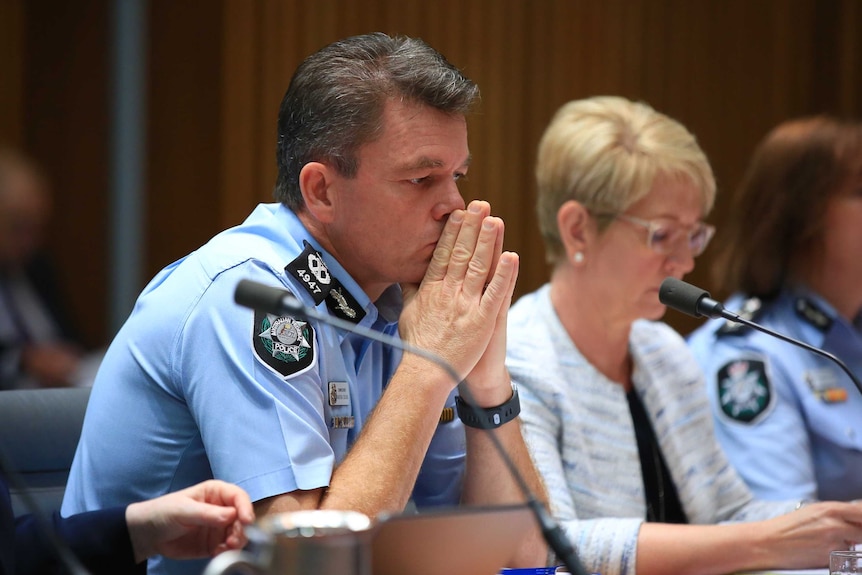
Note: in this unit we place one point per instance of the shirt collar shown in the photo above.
(388, 306)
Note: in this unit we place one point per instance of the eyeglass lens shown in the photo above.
(664, 236)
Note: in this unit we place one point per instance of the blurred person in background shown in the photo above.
(38, 343)
(791, 256)
(615, 412)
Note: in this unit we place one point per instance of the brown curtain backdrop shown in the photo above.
(728, 69)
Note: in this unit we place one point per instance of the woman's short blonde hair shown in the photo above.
(605, 152)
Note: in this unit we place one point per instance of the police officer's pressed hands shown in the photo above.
(484, 281)
(454, 294)
(459, 313)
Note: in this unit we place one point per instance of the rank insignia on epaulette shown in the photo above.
(342, 304)
(750, 308)
(810, 312)
(312, 273)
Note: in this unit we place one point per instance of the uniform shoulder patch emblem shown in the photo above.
(744, 391)
(285, 344)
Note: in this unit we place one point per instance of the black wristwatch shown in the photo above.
(488, 417)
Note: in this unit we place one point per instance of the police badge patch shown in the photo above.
(285, 344)
(744, 391)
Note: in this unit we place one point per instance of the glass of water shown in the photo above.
(845, 562)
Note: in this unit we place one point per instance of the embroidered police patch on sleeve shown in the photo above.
(284, 343)
(744, 391)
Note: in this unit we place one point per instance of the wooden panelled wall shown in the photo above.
(54, 105)
(728, 69)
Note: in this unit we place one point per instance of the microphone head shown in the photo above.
(682, 296)
(260, 296)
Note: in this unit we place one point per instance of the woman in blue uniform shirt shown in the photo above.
(788, 419)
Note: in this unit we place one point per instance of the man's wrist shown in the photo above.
(488, 417)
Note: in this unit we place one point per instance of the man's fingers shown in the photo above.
(457, 242)
(502, 285)
(484, 258)
(462, 256)
(498, 249)
(443, 252)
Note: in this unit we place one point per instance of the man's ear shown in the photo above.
(315, 182)
(573, 222)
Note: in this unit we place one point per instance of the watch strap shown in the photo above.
(488, 417)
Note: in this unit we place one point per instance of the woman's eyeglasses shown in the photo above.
(664, 234)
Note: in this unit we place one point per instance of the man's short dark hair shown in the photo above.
(335, 101)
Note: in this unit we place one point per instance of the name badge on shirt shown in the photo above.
(339, 394)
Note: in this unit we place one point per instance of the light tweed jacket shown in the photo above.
(579, 430)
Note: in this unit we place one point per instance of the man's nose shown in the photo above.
(450, 201)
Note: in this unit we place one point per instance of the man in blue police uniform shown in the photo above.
(789, 419)
(370, 226)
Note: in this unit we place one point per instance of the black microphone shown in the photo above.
(280, 301)
(697, 302)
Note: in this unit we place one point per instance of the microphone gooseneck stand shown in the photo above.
(697, 302)
(274, 300)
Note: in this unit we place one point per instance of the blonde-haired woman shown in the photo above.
(614, 408)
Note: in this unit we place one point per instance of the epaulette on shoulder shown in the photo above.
(812, 313)
(751, 308)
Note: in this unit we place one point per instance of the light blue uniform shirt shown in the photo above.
(788, 419)
(195, 386)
